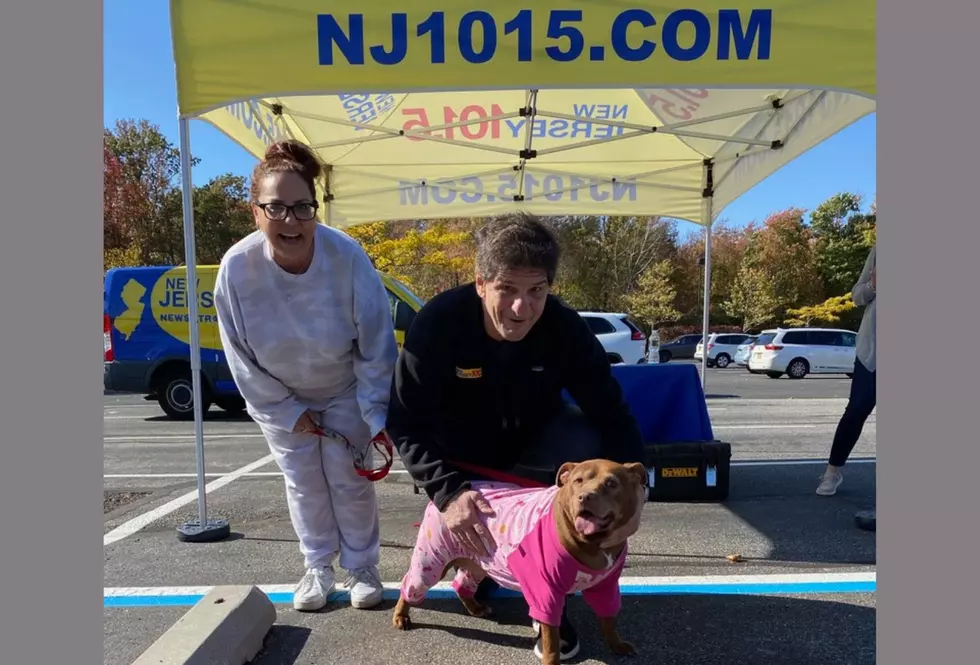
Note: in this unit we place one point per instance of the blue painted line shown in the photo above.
(774, 588)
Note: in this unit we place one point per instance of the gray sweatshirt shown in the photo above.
(863, 295)
(298, 342)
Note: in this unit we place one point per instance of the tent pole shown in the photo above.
(201, 530)
(706, 214)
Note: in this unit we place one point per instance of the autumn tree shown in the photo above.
(428, 256)
(727, 248)
(784, 251)
(150, 165)
(829, 311)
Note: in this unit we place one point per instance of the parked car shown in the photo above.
(741, 357)
(679, 347)
(721, 348)
(797, 352)
(623, 340)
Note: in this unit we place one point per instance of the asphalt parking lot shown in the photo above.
(780, 432)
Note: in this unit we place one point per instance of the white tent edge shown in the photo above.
(708, 215)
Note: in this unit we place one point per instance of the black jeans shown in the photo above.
(569, 437)
(860, 404)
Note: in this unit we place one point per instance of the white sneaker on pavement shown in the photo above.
(829, 483)
(365, 588)
(314, 589)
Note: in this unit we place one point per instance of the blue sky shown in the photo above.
(139, 83)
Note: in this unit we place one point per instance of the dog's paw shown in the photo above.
(623, 649)
(401, 622)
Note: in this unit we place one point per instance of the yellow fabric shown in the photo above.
(227, 50)
(252, 69)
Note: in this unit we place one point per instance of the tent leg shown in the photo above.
(202, 530)
(705, 322)
(706, 219)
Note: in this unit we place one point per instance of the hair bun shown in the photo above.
(297, 153)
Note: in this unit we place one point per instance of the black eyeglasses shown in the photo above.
(302, 212)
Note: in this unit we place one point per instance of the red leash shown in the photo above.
(380, 442)
(499, 476)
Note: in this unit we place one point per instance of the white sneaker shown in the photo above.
(314, 589)
(829, 483)
(365, 587)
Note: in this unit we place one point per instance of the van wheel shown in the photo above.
(722, 361)
(665, 356)
(230, 404)
(798, 368)
(175, 394)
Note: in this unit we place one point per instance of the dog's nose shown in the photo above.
(586, 496)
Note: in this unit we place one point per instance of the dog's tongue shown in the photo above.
(587, 525)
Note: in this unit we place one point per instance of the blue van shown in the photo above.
(147, 336)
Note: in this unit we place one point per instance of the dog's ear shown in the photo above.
(638, 473)
(564, 472)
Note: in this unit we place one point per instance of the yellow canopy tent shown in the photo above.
(424, 109)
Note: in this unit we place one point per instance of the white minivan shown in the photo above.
(797, 352)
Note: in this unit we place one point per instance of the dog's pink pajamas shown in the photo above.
(529, 557)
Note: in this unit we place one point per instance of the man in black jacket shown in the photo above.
(480, 378)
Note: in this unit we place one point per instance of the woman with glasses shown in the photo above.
(306, 326)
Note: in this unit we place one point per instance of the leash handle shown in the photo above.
(381, 442)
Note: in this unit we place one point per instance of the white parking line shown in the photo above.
(245, 435)
(130, 527)
(178, 437)
(278, 474)
(806, 583)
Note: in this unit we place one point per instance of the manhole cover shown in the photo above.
(113, 499)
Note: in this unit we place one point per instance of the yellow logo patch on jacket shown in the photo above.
(474, 373)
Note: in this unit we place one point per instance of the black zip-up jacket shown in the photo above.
(457, 394)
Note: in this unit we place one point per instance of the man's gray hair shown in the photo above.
(516, 241)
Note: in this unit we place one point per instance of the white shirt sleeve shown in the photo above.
(269, 401)
(375, 350)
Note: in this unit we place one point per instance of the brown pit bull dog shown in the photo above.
(548, 545)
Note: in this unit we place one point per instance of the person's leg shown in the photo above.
(311, 513)
(355, 504)
(568, 437)
(860, 404)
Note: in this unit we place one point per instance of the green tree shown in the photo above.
(652, 301)
(605, 257)
(753, 300)
(842, 237)
(222, 217)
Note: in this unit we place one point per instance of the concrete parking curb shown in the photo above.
(226, 627)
